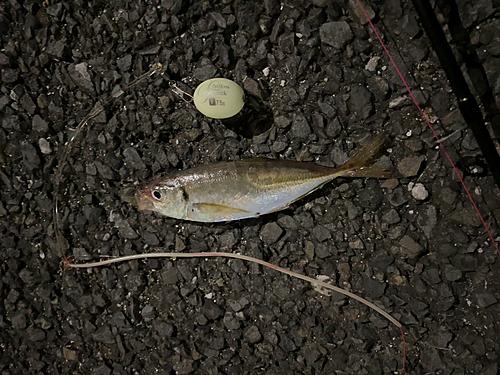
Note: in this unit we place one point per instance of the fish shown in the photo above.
(248, 188)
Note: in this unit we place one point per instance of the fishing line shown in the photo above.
(438, 139)
(247, 258)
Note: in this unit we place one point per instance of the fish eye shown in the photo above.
(156, 194)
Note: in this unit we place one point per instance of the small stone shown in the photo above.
(124, 63)
(270, 233)
(18, 320)
(309, 250)
(219, 20)
(124, 228)
(278, 146)
(410, 166)
(327, 109)
(390, 184)
(485, 299)
(320, 233)
(391, 217)
(38, 124)
(81, 77)
(361, 101)
(104, 335)
(431, 275)
(374, 288)
(357, 244)
(382, 262)
(133, 159)
(427, 219)
(252, 86)
(399, 102)
(10, 75)
(419, 192)
(28, 104)
(410, 248)
(358, 11)
(231, 322)
(44, 146)
(68, 354)
(252, 335)
(205, 70)
(151, 239)
(31, 160)
(282, 122)
(300, 127)
(184, 367)
(371, 65)
(451, 273)
(148, 313)
(336, 34)
(210, 310)
(398, 198)
(333, 128)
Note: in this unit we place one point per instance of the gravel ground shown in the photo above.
(319, 86)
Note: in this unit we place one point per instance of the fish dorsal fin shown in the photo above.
(217, 209)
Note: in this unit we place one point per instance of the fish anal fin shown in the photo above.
(214, 209)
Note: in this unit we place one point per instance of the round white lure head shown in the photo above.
(219, 98)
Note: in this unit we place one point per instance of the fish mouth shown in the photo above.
(143, 200)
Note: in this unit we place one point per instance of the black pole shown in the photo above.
(466, 102)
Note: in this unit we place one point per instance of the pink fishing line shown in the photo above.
(432, 129)
(442, 149)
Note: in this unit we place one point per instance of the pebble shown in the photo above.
(205, 70)
(81, 77)
(38, 124)
(210, 310)
(133, 159)
(320, 233)
(410, 248)
(333, 128)
(427, 219)
(361, 101)
(418, 191)
(300, 127)
(327, 109)
(252, 335)
(282, 121)
(451, 273)
(336, 34)
(391, 217)
(410, 166)
(485, 299)
(124, 63)
(44, 146)
(270, 233)
(31, 160)
(10, 75)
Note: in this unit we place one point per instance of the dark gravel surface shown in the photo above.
(414, 244)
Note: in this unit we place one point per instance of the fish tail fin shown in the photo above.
(360, 164)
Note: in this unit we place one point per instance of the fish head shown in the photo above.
(164, 196)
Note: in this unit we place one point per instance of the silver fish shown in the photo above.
(248, 188)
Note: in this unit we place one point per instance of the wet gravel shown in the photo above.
(413, 244)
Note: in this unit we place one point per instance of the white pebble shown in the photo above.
(419, 192)
(44, 146)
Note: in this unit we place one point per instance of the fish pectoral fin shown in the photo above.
(217, 209)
